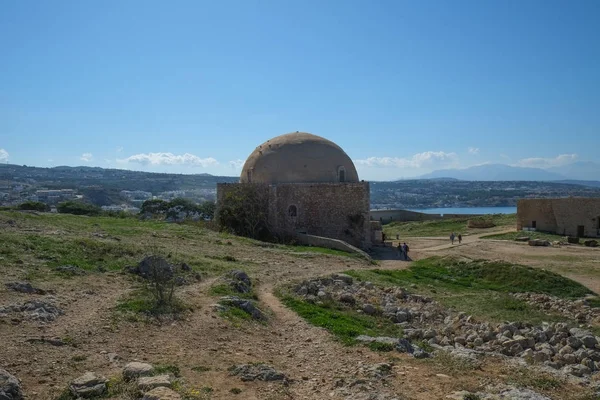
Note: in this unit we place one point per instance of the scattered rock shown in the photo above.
(137, 369)
(243, 304)
(54, 341)
(10, 387)
(253, 372)
(161, 393)
(88, 385)
(24, 287)
(42, 310)
(522, 239)
(151, 382)
(70, 270)
(239, 281)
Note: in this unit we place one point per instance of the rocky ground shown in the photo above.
(66, 324)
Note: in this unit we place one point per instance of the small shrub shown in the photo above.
(384, 347)
(34, 206)
(471, 396)
(236, 390)
(167, 369)
(78, 208)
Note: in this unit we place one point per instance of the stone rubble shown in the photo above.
(254, 372)
(578, 309)
(572, 351)
(42, 310)
(245, 305)
(137, 369)
(24, 287)
(239, 281)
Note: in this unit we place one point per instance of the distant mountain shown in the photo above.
(580, 170)
(496, 172)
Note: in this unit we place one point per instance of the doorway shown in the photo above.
(534, 224)
(580, 230)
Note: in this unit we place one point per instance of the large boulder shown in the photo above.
(151, 382)
(10, 387)
(136, 369)
(88, 385)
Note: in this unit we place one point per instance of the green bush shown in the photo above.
(78, 208)
(34, 206)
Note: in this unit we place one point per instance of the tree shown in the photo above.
(78, 208)
(207, 209)
(244, 211)
(155, 206)
(35, 206)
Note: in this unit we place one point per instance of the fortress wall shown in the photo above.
(560, 216)
(332, 210)
(538, 210)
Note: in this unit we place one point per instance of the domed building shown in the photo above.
(306, 187)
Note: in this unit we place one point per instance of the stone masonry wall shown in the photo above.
(333, 210)
(561, 216)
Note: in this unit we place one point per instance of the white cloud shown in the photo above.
(419, 160)
(3, 155)
(540, 162)
(87, 157)
(119, 149)
(473, 150)
(186, 159)
(236, 164)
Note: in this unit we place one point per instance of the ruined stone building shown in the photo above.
(573, 216)
(306, 184)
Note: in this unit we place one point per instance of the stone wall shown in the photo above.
(332, 210)
(560, 216)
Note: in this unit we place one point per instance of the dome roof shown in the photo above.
(298, 158)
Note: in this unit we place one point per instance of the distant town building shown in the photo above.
(572, 216)
(124, 208)
(54, 196)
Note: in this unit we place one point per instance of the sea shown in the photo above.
(467, 210)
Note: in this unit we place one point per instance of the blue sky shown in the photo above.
(404, 87)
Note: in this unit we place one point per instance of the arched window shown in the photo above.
(292, 211)
(341, 174)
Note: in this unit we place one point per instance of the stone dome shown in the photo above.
(298, 158)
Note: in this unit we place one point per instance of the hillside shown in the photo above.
(74, 299)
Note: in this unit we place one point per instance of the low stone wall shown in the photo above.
(387, 216)
(336, 244)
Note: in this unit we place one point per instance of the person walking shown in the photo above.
(405, 251)
(452, 237)
(459, 238)
(400, 250)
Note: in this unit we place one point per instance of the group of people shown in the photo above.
(453, 237)
(403, 251)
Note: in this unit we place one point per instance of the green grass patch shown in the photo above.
(223, 289)
(480, 288)
(235, 315)
(532, 235)
(141, 302)
(172, 369)
(345, 324)
(443, 227)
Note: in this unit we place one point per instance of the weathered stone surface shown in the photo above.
(253, 372)
(243, 304)
(161, 393)
(10, 387)
(239, 281)
(88, 385)
(24, 287)
(42, 310)
(151, 382)
(136, 369)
